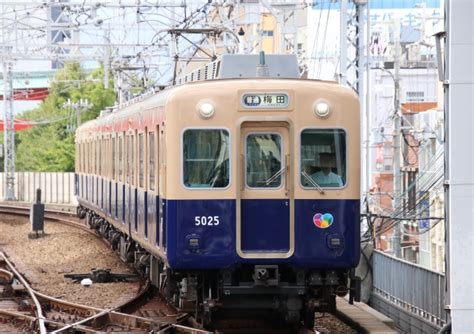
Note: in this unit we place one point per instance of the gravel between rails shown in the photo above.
(64, 249)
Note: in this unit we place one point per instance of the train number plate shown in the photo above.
(265, 100)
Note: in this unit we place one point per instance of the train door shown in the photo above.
(265, 223)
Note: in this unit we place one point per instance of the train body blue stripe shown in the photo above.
(216, 237)
(201, 234)
(313, 245)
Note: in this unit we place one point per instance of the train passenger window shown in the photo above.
(127, 160)
(113, 158)
(323, 158)
(151, 160)
(99, 156)
(263, 157)
(120, 158)
(132, 159)
(92, 157)
(141, 160)
(96, 154)
(206, 158)
(81, 152)
(87, 157)
(78, 155)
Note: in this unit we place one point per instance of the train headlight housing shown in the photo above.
(321, 108)
(206, 109)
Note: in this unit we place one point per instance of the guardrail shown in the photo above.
(410, 287)
(56, 188)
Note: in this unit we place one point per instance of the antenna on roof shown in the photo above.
(262, 68)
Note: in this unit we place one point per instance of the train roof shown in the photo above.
(236, 66)
(227, 67)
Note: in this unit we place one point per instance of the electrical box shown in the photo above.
(37, 214)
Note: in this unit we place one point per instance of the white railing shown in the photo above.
(56, 188)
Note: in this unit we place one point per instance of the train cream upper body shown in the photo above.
(225, 95)
(175, 110)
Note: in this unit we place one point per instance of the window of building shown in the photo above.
(263, 160)
(323, 158)
(267, 33)
(206, 158)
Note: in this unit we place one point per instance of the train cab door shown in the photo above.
(265, 210)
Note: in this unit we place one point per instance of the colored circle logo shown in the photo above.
(323, 220)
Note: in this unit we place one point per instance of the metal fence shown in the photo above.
(418, 290)
(56, 188)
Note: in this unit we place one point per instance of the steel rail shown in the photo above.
(31, 292)
(165, 325)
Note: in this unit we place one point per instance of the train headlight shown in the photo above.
(206, 109)
(321, 108)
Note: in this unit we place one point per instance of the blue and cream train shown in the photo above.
(237, 187)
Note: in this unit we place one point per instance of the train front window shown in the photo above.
(263, 160)
(323, 158)
(206, 158)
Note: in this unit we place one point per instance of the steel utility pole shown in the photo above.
(459, 176)
(352, 57)
(397, 118)
(78, 107)
(9, 128)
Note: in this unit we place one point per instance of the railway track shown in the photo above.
(22, 309)
(19, 307)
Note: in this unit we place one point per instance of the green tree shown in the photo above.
(49, 146)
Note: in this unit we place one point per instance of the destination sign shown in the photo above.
(265, 100)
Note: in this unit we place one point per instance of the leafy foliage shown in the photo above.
(50, 146)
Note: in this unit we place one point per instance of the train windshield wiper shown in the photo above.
(274, 176)
(313, 183)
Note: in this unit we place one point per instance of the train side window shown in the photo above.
(130, 160)
(151, 160)
(113, 158)
(206, 158)
(78, 154)
(99, 156)
(323, 158)
(83, 159)
(87, 157)
(127, 160)
(120, 158)
(141, 160)
(91, 156)
(263, 157)
(96, 155)
(109, 157)
(106, 154)
(131, 168)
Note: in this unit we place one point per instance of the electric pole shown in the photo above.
(9, 128)
(397, 232)
(78, 107)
